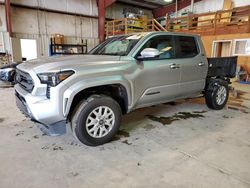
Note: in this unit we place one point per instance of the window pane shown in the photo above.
(186, 47)
(242, 47)
(163, 43)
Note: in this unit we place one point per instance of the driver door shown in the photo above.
(158, 78)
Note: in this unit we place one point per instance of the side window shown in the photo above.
(186, 47)
(163, 43)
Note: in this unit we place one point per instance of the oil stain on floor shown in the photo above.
(126, 142)
(241, 95)
(148, 127)
(1, 120)
(121, 134)
(238, 109)
(178, 116)
(237, 103)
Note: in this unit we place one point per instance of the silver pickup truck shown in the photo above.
(91, 92)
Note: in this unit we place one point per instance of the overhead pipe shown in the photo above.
(192, 6)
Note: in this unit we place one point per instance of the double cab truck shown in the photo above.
(89, 93)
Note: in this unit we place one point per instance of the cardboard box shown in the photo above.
(58, 39)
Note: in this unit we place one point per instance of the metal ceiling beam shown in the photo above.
(109, 2)
(15, 5)
(143, 4)
(8, 17)
(161, 12)
(134, 5)
(149, 3)
(102, 5)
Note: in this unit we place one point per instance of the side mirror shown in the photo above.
(149, 53)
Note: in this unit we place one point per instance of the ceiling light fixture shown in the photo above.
(168, 1)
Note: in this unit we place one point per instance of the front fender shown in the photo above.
(81, 85)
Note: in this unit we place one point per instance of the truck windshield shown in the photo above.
(119, 45)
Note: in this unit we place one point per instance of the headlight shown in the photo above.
(53, 79)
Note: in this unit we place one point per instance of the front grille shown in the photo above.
(48, 92)
(21, 104)
(24, 80)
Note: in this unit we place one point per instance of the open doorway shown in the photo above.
(222, 48)
(28, 49)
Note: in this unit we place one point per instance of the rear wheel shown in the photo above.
(96, 120)
(216, 95)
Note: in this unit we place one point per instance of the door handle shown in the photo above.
(174, 66)
(201, 64)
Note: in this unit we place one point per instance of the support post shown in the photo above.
(249, 20)
(126, 25)
(8, 17)
(176, 8)
(101, 20)
(215, 22)
(102, 5)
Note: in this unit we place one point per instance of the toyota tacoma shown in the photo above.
(90, 92)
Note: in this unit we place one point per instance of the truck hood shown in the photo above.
(59, 63)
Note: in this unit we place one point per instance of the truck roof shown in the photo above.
(156, 32)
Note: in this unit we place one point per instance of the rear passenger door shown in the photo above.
(190, 57)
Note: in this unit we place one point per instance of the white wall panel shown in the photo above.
(41, 25)
(239, 3)
(208, 6)
(88, 7)
(24, 20)
(2, 19)
(4, 42)
(25, 2)
(212, 6)
(203, 6)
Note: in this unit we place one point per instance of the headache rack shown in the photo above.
(222, 67)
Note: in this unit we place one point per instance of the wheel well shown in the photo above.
(115, 91)
(211, 81)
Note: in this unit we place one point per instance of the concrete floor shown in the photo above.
(157, 147)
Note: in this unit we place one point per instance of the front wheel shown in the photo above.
(216, 95)
(96, 120)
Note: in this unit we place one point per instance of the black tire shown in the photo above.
(87, 108)
(212, 92)
(13, 77)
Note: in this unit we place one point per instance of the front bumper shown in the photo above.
(42, 111)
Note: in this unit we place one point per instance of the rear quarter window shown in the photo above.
(186, 47)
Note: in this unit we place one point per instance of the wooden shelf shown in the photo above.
(68, 49)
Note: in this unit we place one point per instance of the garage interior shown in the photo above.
(155, 146)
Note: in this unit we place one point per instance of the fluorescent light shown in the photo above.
(168, 1)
